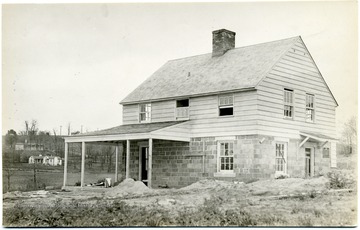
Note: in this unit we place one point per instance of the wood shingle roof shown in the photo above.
(239, 68)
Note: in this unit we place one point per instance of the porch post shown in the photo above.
(150, 162)
(127, 159)
(82, 163)
(116, 162)
(65, 163)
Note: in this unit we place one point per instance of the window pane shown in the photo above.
(182, 103)
(226, 111)
(142, 108)
(309, 115)
(226, 100)
(280, 161)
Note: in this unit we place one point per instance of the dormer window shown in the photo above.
(182, 109)
(145, 112)
(226, 105)
(288, 103)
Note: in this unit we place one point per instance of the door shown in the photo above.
(308, 162)
(144, 164)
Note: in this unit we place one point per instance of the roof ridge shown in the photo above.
(241, 47)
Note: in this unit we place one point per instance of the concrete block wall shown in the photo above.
(322, 165)
(178, 164)
(171, 164)
(251, 158)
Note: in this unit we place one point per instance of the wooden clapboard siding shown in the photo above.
(160, 111)
(163, 111)
(130, 114)
(205, 120)
(297, 71)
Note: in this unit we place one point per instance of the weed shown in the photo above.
(317, 213)
(340, 179)
(313, 194)
(295, 210)
(305, 221)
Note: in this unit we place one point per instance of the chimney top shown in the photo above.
(223, 40)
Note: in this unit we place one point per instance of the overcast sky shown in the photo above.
(76, 62)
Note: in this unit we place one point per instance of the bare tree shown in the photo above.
(349, 136)
(31, 129)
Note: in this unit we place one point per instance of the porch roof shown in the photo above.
(171, 130)
(317, 136)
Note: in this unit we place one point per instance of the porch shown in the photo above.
(123, 138)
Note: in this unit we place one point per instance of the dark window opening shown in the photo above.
(226, 111)
(182, 103)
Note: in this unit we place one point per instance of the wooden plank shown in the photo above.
(296, 76)
(116, 163)
(66, 163)
(285, 68)
(82, 164)
(297, 57)
(252, 131)
(299, 65)
(296, 68)
(127, 173)
(293, 84)
(150, 163)
(291, 127)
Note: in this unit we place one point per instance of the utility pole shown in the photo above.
(60, 129)
(81, 128)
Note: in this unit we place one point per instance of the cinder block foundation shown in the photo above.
(178, 164)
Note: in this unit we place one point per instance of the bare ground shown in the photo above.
(282, 202)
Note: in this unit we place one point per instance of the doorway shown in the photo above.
(308, 162)
(144, 164)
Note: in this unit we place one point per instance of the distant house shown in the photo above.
(46, 160)
(52, 160)
(29, 146)
(36, 159)
(245, 113)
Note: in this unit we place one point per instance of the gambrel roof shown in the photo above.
(239, 68)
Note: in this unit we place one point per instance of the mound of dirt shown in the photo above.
(288, 186)
(211, 184)
(128, 186)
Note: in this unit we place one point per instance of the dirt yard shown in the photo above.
(282, 202)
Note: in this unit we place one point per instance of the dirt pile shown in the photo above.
(288, 186)
(128, 186)
(212, 184)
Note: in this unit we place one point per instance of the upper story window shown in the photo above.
(288, 103)
(145, 112)
(226, 105)
(182, 109)
(310, 109)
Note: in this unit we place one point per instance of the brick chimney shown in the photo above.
(223, 40)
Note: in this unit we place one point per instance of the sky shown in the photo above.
(73, 63)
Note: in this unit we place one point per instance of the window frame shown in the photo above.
(176, 109)
(289, 104)
(283, 157)
(309, 108)
(219, 156)
(328, 153)
(148, 105)
(226, 106)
